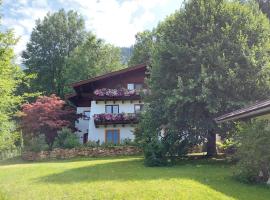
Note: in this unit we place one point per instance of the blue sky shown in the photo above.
(115, 21)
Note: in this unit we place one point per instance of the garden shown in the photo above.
(123, 178)
(206, 59)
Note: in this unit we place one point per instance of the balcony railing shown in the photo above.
(118, 94)
(110, 119)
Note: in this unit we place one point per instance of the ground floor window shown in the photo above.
(112, 136)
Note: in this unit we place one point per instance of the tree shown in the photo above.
(210, 57)
(10, 78)
(46, 116)
(52, 40)
(142, 48)
(93, 57)
(265, 7)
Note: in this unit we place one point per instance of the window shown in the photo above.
(112, 136)
(112, 109)
(138, 108)
(134, 86)
(130, 86)
(86, 115)
(138, 86)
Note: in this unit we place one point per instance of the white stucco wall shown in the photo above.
(82, 125)
(98, 134)
(95, 134)
(125, 107)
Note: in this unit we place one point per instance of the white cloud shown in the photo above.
(117, 22)
(114, 21)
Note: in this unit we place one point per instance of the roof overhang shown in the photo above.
(254, 110)
(109, 75)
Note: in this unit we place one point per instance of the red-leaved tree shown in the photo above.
(47, 115)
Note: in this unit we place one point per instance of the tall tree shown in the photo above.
(142, 48)
(93, 57)
(208, 60)
(52, 40)
(10, 77)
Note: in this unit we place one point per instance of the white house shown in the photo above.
(109, 104)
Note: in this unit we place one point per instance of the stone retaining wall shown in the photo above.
(81, 152)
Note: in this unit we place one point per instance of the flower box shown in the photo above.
(121, 118)
(122, 92)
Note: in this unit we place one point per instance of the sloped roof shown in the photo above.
(111, 74)
(256, 109)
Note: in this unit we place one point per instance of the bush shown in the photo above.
(91, 143)
(228, 147)
(36, 144)
(66, 139)
(128, 142)
(254, 152)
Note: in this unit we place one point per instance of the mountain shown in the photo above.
(126, 53)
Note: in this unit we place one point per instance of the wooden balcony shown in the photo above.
(115, 119)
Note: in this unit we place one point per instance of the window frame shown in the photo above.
(138, 104)
(134, 86)
(113, 130)
(112, 109)
(84, 115)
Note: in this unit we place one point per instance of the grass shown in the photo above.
(123, 178)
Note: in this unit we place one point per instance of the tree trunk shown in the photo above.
(211, 144)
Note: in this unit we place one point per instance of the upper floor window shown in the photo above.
(134, 86)
(138, 108)
(86, 115)
(112, 109)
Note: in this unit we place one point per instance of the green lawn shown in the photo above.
(122, 178)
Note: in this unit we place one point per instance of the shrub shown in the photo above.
(46, 115)
(128, 142)
(36, 144)
(228, 147)
(66, 139)
(91, 143)
(254, 152)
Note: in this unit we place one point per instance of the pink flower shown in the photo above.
(115, 92)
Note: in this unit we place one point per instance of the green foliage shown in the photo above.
(254, 151)
(143, 48)
(51, 42)
(36, 144)
(209, 57)
(92, 144)
(160, 145)
(60, 52)
(10, 80)
(265, 7)
(128, 142)
(92, 58)
(229, 146)
(66, 139)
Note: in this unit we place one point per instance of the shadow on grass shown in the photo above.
(18, 160)
(213, 173)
